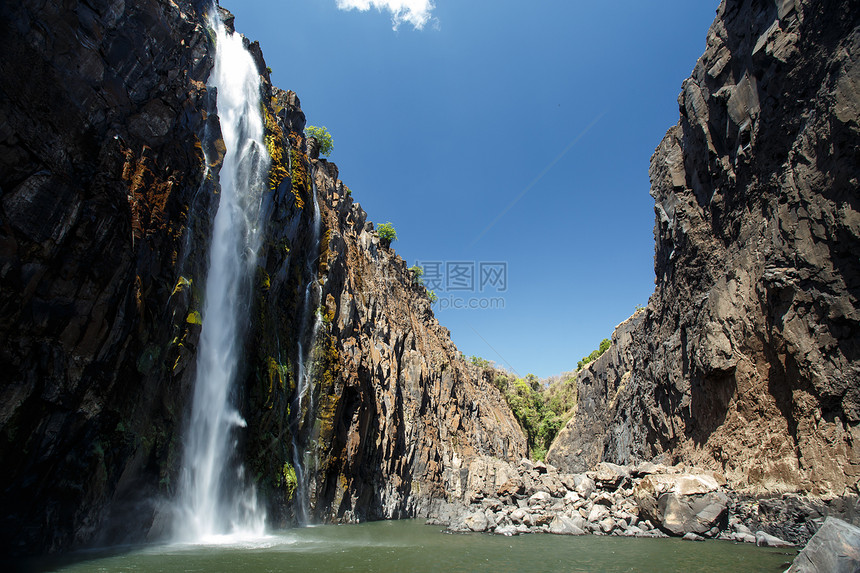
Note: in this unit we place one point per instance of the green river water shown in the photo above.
(411, 546)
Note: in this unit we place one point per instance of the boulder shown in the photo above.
(525, 465)
(692, 537)
(745, 537)
(540, 499)
(487, 476)
(564, 526)
(835, 548)
(763, 539)
(611, 476)
(607, 524)
(519, 516)
(477, 521)
(507, 530)
(585, 487)
(597, 513)
(697, 513)
(552, 484)
(646, 469)
(513, 486)
(491, 503)
(569, 481)
(682, 503)
(681, 484)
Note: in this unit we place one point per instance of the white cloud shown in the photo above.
(415, 12)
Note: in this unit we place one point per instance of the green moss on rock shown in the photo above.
(290, 482)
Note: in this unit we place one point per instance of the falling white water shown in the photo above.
(214, 496)
(304, 402)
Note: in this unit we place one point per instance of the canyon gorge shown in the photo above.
(346, 399)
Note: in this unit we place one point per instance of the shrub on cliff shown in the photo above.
(322, 135)
(604, 346)
(387, 234)
(417, 273)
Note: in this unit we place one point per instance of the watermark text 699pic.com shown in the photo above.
(465, 285)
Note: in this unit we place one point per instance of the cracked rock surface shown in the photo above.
(747, 358)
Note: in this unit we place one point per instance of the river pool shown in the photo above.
(407, 546)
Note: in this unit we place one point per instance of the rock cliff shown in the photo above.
(105, 208)
(745, 360)
(102, 107)
(394, 414)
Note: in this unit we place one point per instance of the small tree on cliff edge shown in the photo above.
(322, 135)
(387, 234)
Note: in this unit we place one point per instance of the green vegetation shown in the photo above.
(541, 408)
(417, 273)
(604, 346)
(387, 234)
(264, 281)
(325, 314)
(322, 135)
(290, 480)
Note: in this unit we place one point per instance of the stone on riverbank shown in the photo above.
(834, 549)
(763, 539)
(682, 503)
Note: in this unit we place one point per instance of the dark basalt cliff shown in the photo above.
(101, 107)
(104, 219)
(397, 413)
(746, 358)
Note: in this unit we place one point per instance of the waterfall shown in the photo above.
(304, 401)
(214, 496)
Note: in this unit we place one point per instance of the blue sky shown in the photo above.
(501, 132)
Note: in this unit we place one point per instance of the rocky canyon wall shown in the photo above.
(394, 414)
(746, 358)
(106, 200)
(102, 112)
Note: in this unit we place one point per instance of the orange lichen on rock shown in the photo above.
(149, 192)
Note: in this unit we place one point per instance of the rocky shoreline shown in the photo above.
(643, 500)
